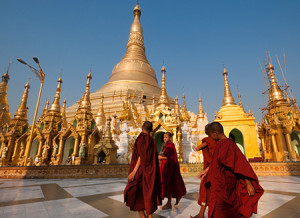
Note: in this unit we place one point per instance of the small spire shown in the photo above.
(55, 106)
(153, 105)
(240, 101)
(185, 114)
(227, 99)
(85, 102)
(46, 106)
(177, 109)
(4, 107)
(275, 93)
(64, 113)
(108, 128)
(100, 117)
(21, 112)
(163, 99)
(200, 110)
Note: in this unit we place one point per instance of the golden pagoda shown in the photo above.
(133, 76)
(101, 126)
(280, 128)
(13, 142)
(238, 125)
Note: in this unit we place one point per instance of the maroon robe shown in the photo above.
(207, 152)
(143, 193)
(227, 173)
(171, 179)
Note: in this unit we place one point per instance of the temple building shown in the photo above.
(238, 124)
(102, 126)
(280, 128)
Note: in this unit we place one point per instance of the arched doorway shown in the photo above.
(34, 148)
(159, 141)
(237, 136)
(295, 137)
(101, 157)
(68, 148)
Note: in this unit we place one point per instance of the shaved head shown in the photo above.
(147, 126)
(216, 127)
(207, 129)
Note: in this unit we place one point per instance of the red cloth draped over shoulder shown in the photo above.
(144, 192)
(207, 152)
(227, 173)
(171, 179)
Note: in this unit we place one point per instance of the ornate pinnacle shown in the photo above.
(163, 99)
(240, 102)
(22, 110)
(55, 106)
(85, 102)
(200, 110)
(100, 117)
(275, 93)
(227, 99)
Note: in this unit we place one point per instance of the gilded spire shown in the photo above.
(177, 109)
(100, 117)
(163, 99)
(4, 108)
(85, 102)
(46, 106)
(240, 101)
(21, 112)
(275, 93)
(64, 114)
(55, 106)
(185, 114)
(227, 99)
(153, 105)
(134, 66)
(200, 110)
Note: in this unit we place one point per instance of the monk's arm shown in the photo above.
(203, 173)
(250, 188)
(200, 147)
(160, 157)
(132, 174)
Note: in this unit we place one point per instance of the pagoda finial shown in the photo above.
(100, 117)
(64, 113)
(4, 107)
(200, 110)
(55, 106)
(163, 99)
(185, 114)
(275, 93)
(227, 99)
(85, 102)
(240, 101)
(21, 112)
(153, 104)
(177, 109)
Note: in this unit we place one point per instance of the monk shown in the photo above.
(143, 190)
(171, 179)
(208, 147)
(234, 187)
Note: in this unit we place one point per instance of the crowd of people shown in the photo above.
(229, 187)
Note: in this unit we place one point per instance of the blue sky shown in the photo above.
(194, 37)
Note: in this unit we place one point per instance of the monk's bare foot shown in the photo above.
(177, 201)
(166, 207)
(197, 216)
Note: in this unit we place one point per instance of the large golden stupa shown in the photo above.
(133, 76)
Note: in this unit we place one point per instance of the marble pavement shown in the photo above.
(83, 198)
